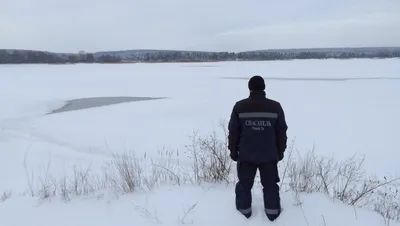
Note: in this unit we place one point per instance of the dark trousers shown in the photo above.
(269, 176)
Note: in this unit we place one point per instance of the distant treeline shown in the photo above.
(153, 56)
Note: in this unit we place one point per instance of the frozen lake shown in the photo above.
(342, 107)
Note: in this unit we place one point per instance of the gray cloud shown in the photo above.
(232, 25)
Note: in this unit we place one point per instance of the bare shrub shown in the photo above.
(323, 221)
(210, 158)
(308, 172)
(152, 216)
(165, 170)
(345, 180)
(124, 172)
(286, 163)
(185, 218)
(29, 177)
(63, 188)
(48, 184)
(81, 182)
(301, 173)
(5, 195)
(387, 203)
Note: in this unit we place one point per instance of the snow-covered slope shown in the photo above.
(341, 117)
(211, 205)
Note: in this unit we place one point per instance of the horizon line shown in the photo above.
(188, 50)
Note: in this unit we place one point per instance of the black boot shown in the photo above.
(273, 217)
(248, 215)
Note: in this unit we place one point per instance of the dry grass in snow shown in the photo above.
(210, 163)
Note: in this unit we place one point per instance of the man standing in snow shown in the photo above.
(257, 140)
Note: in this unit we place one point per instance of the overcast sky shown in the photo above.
(219, 25)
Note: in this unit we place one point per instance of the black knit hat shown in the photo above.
(256, 83)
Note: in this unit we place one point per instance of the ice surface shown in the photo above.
(341, 118)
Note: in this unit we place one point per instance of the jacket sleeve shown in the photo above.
(234, 131)
(281, 130)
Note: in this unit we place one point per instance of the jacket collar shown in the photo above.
(257, 93)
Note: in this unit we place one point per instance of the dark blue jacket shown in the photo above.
(257, 129)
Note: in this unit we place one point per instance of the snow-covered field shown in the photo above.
(356, 115)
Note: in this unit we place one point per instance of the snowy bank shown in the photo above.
(211, 205)
(315, 190)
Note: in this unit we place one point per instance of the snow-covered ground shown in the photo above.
(340, 117)
(207, 205)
